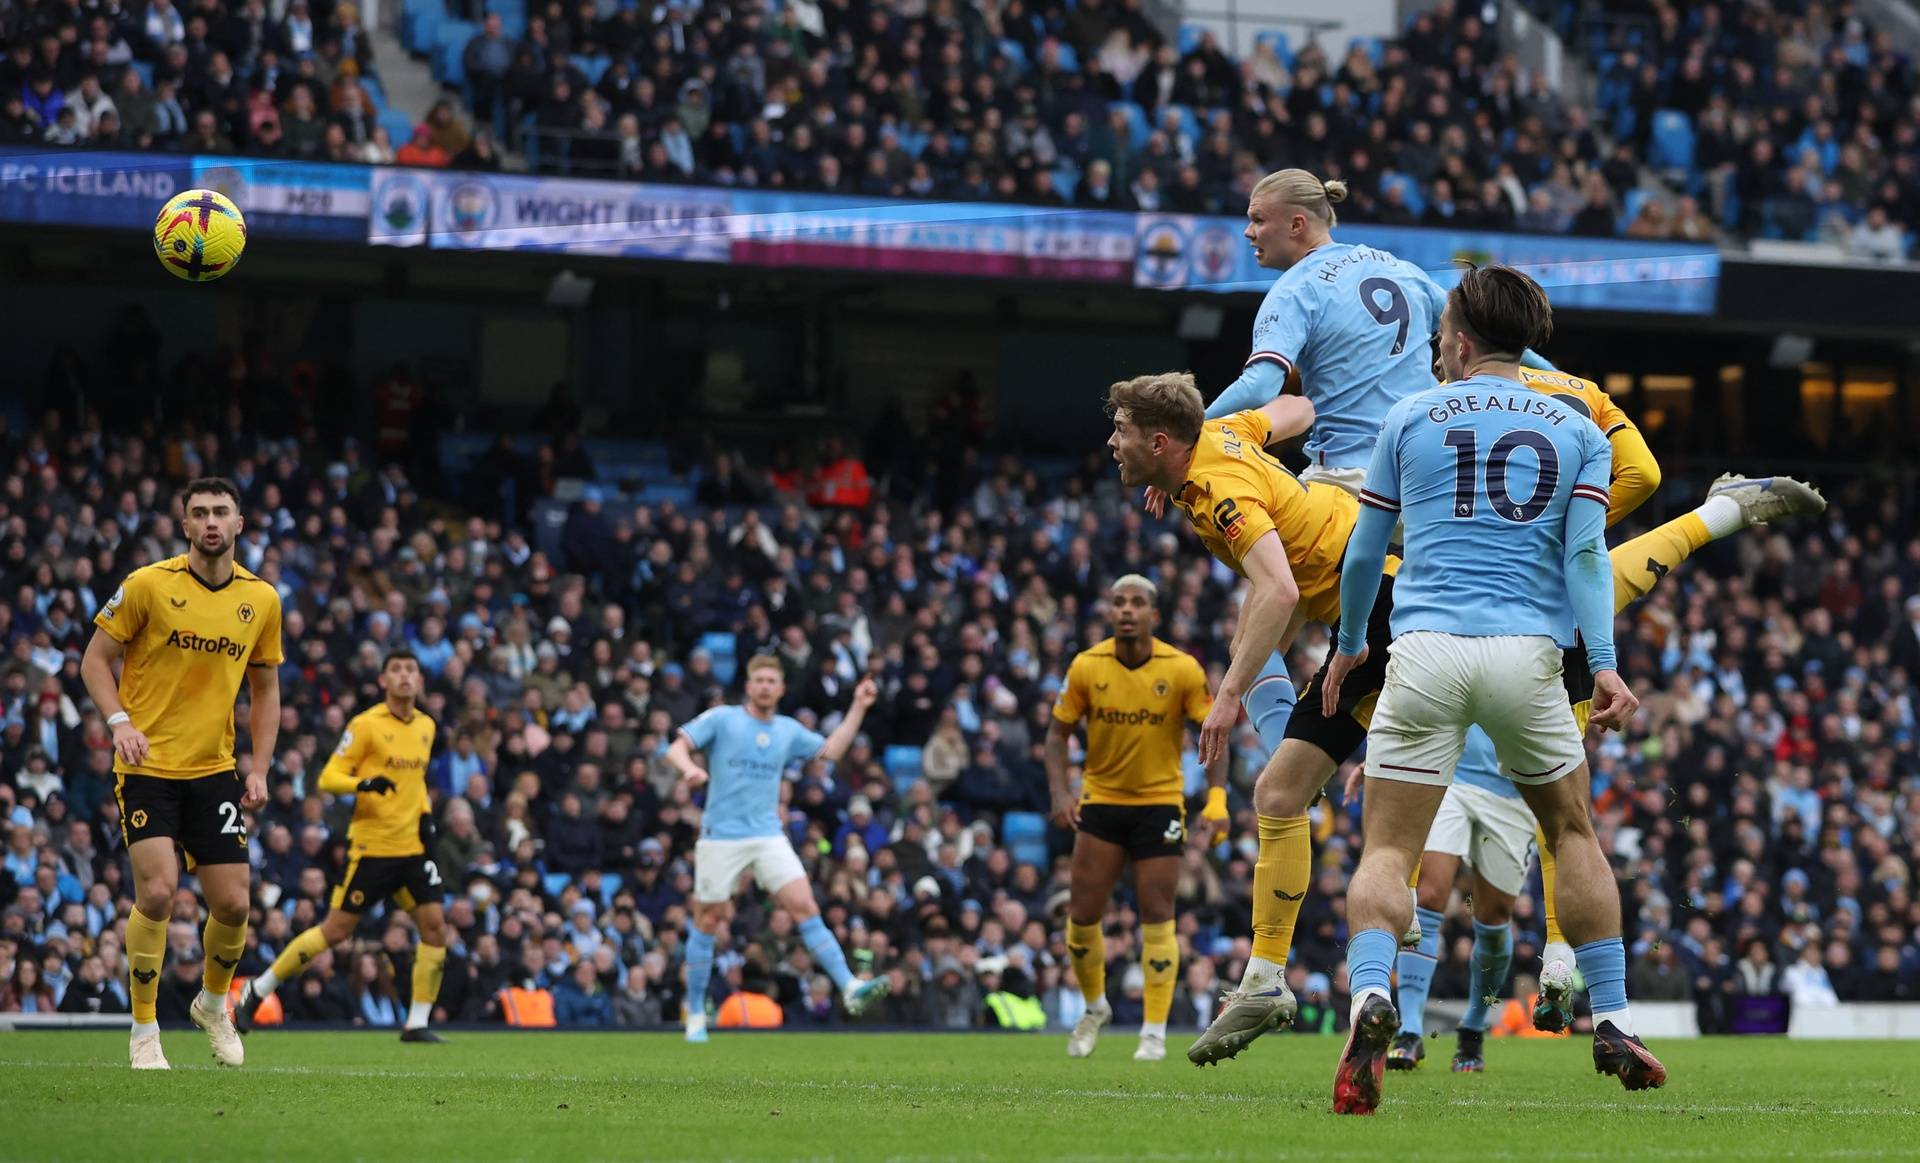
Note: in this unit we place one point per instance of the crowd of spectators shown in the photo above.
(1763, 813)
(292, 79)
(1802, 119)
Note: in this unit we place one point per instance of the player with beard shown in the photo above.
(185, 631)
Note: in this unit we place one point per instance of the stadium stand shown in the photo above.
(1763, 814)
(1776, 121)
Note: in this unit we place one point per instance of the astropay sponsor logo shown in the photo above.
(203, 644)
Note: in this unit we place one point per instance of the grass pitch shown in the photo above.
(928, 1099)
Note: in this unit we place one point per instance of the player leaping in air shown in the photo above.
(1137, 694)
(185, 630)
(1350, 325)
(1504, 498)
(382, 762)
(748, 749)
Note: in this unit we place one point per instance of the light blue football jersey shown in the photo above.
(1482, 472)
(746, 760)
(1357, 324)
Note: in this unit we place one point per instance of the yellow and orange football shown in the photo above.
(199, 235)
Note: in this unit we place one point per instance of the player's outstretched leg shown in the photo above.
(1732, 504)
(1416, 968)
(855, 994)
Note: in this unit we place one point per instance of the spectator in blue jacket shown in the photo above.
(579, 1001)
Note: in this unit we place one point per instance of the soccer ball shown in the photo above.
(199, 235)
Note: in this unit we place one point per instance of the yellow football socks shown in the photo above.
(1160, 950)
(1554, 936)
(1087, 945)
(224, 945)
(429, 966)
(146, 949)
(1280, 884)
(298, 952)
(1639, 564)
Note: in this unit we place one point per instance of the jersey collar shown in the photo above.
(207, 585)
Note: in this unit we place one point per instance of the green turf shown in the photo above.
(574, 1097)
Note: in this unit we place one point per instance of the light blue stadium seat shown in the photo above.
(1069, 59)
(1672, 144)
(145, 69)
(419, 24)
(1630, 207)
(399, 126)
(1190, 37)
(555, 882)
(450, 50)
(1025, 834)
(1014, 51)
(1409, 191)
(903, 763)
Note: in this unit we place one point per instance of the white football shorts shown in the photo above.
(717, 865)
(1437, 685)
(1492, 833)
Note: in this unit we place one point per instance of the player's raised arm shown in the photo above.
(1272, 597)
(864, 696)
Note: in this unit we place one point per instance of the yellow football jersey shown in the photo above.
(379, 742)
(1136, 720)
(1636, 474)
(1235, 492)
(188, 646)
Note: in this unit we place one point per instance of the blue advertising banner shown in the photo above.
(292, 199)
(72, 188)
(1177, 252)
(458, 211)
(623, 219)
(948, 238)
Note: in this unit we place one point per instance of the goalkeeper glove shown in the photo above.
(427, 831)
(378, 785)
